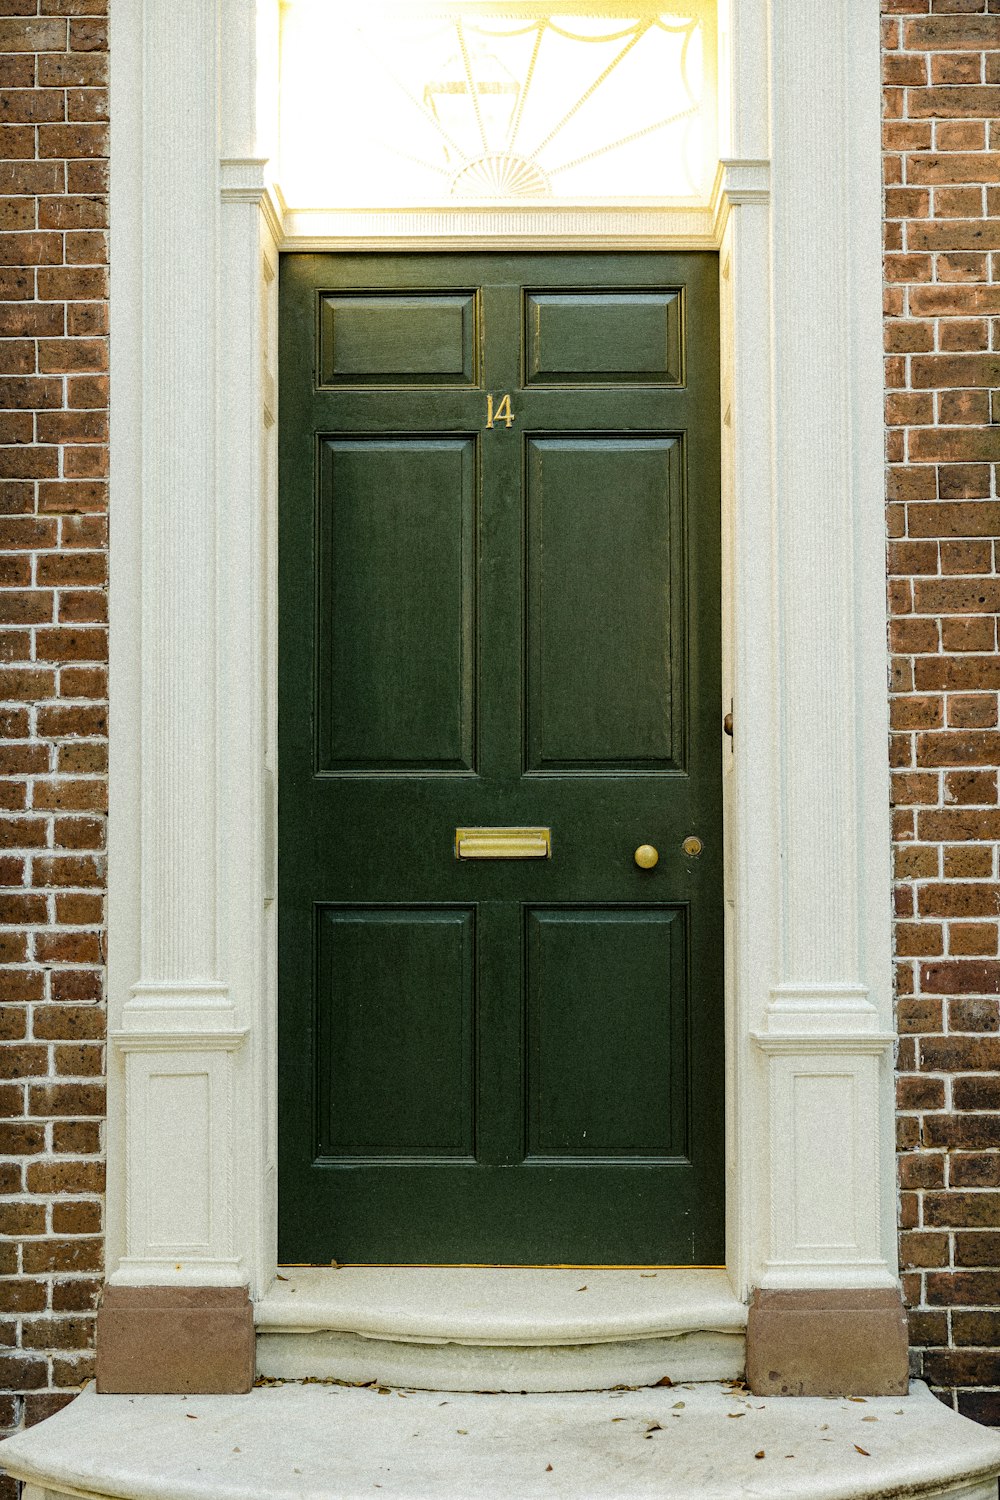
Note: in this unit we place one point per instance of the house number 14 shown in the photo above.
(501, 413)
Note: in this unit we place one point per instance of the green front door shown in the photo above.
(499, 609)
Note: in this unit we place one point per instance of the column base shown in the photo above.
(842, 1342)
(154, 1340)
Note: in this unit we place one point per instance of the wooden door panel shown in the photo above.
(389, 339)
(395, 1022)
(604, 529)
(603, 337)
(607, 1032)
(396, 603)
(499, 1060)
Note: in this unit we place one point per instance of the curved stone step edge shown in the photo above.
(501, 1306)
(318, 1442)
(356, 1360)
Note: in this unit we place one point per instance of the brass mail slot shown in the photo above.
(503, 843)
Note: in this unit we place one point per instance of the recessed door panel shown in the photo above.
(607, 1032)
(604, 337)
(395, 1021)
(396, 602)
(605, 603)
(384, 338)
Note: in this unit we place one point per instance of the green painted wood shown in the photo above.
(489, 1060)
(617, 978)
(574, 337)
(372, 1101)
(390, 339)
(396, 603)
(605, 564)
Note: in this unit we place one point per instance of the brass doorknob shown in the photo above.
(646, 857)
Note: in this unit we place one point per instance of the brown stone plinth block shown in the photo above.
(827, 1343)
(154, 1340)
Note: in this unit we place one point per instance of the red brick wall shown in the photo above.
(942, 71)
(53, 648)
(942, 270)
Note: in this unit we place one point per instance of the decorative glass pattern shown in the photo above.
(410, 104)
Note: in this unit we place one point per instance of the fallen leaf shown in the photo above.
(237, 1450)
(618, 1419)
(824, 1427)
(647, 1275)
(581, 1288)
(664, 1380)
(860, 1399)
(278, 1276)
(191, 1416)
(548, 1468)
(678, 1406)
(789, 1455)
(462, 1431)
(869, 1419)
(863, 1451)
(654, 1427)
(759, 1454)
(735, 1413)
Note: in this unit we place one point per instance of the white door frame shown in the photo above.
(196, 228)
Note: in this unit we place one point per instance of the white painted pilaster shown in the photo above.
(192, 941)
(825, 1217)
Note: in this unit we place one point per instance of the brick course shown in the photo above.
(53, 710)
(941, 63)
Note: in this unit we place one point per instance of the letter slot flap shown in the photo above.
(503, 843)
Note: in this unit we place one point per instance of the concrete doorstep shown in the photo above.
(315, 1441)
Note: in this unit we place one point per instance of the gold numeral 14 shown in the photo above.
(501, 413)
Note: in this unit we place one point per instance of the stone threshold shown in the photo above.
(501, 1305)
(499, 1328)
(333, 1442)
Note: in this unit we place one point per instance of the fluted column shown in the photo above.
(181, 1008)
(826, 1025)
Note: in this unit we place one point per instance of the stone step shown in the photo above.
(332, 1442)
(501, 1328)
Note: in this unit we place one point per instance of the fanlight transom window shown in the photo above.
(409, 104)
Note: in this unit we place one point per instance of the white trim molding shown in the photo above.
(197, 224)
(563, 227)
